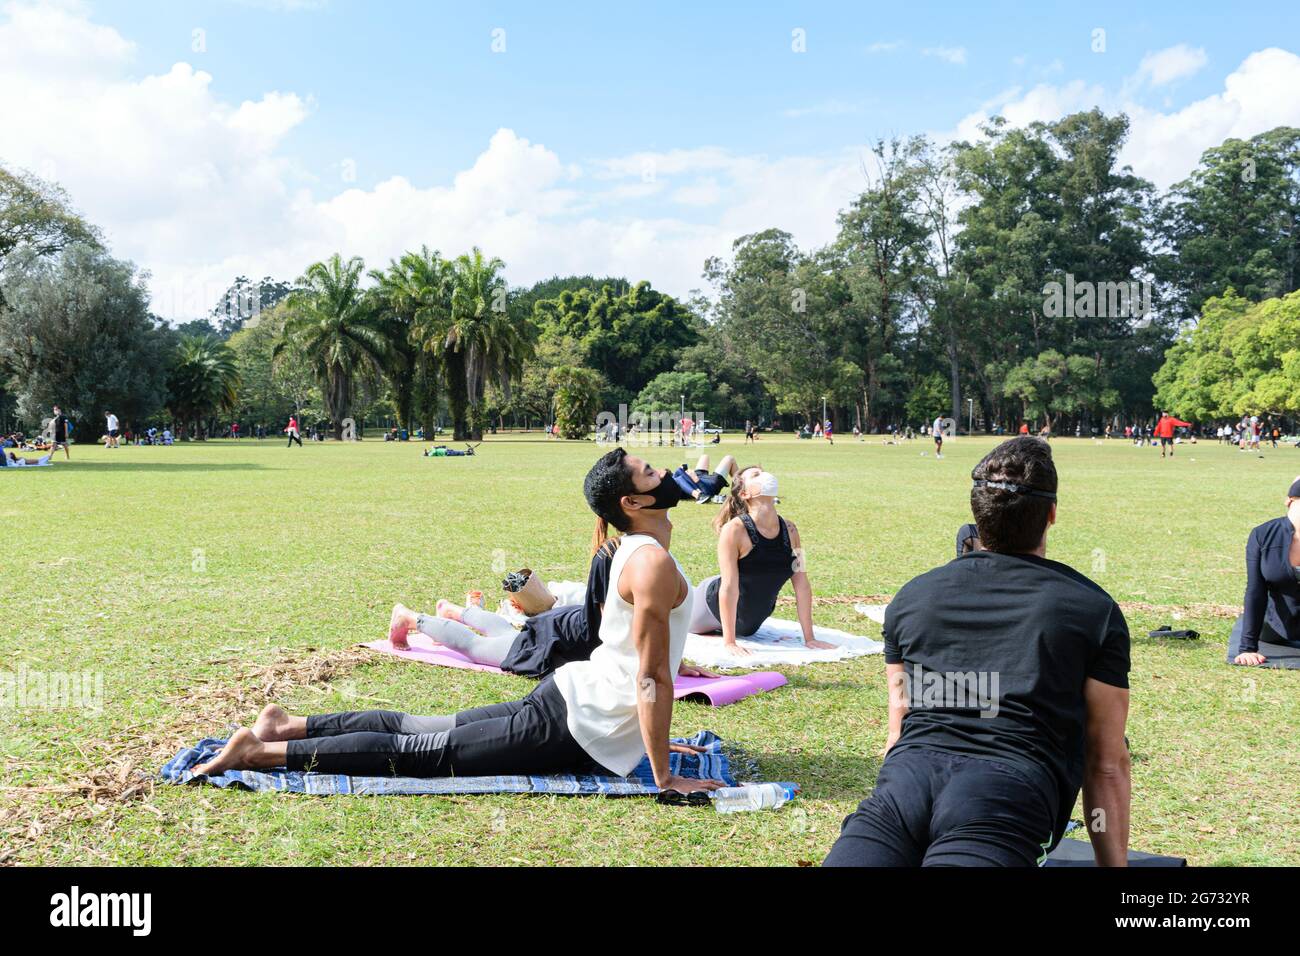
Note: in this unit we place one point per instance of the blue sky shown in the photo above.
(627, 138)
(415, 89)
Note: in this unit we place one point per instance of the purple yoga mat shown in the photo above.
(716, 691)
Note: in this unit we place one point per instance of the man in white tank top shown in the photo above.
(601, 715)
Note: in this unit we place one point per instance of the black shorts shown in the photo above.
(112, 433)
(1166, 441)
(938, 439)
(936, 808)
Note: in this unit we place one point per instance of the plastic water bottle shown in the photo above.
(753, 796)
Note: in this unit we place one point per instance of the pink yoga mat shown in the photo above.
(717, 691)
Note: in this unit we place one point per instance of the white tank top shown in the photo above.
(601, 693)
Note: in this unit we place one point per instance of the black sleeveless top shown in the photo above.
(564, 634)
(763, 572)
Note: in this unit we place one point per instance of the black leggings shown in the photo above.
(934, 808)
(293, 438)
(529, 736)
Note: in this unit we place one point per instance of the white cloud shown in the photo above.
(198, 189)
(951, 54)
(1165, 146)
(1171, 64)
(706, 192)
(885, 46)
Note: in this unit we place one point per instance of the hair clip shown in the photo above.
(1014, 488)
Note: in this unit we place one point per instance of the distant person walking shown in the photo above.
(937, 431)
(749, 431)
(59, 433)
(292, 432)
(113, 431)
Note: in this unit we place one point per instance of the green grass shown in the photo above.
(176, 572)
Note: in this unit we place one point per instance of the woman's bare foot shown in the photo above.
(239, 753)
(451, 612)
(275, 724)
(399, 625)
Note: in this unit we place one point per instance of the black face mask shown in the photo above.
(666, 494)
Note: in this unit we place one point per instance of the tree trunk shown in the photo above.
(457, 396)
(954, 370)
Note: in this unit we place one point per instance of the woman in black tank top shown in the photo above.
(758, 552)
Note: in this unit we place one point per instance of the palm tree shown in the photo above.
(339, 328)
(204, 380)
(474, 336)
(411, 291)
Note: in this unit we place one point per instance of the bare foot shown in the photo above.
(399, 625)
(272, 724)
(451, 612)
(237, 754)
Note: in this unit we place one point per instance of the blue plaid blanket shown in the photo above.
(713, 764)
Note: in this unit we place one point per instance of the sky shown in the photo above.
(252, 137)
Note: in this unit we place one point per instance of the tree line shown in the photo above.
(1025, 276)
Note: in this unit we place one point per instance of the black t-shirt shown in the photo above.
(60, 428)
(997, 648)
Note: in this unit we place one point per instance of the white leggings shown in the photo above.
(702, 619)
(490, 647)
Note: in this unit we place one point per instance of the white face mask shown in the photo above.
(764, 483)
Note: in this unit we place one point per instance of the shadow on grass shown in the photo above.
(823, 776)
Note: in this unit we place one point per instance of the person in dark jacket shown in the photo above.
(59, 424)
(1272, 603)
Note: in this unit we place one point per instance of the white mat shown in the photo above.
(874, 612)
(779, 642)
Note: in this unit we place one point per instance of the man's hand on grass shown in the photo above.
(688, 784)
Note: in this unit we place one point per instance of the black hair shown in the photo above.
(608, 481)
(1015, 485)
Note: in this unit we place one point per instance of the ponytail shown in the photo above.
(734, 506)
(600, 535)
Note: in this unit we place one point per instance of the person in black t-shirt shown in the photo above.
(59, 424)
(1008, 677)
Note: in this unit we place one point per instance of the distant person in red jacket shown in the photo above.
(1165, 431)
(292, 432)
(1024, 428)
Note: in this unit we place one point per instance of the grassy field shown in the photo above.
(202, 581)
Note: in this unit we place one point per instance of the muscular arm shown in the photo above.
(1107, 786)
(652, 585)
